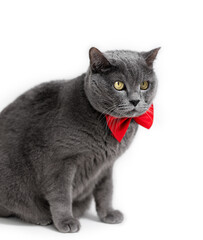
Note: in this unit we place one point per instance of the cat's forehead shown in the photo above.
(125, 60)
(128, 57)
(130, 63)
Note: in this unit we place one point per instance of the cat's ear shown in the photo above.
(98, 62)
(150, 56)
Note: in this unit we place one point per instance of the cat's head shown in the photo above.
(121, 83)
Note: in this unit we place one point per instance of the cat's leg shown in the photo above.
(103, 198)
(4, 212)
(59, 197)
(36, 212)
(25, 204)
(42, 220)
(79, 207)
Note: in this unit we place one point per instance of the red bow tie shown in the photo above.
(119, 126)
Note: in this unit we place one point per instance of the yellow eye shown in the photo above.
(119, 85)
(144, 85)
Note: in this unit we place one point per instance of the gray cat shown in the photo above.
(56, 150)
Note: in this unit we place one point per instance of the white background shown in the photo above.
(159, 181)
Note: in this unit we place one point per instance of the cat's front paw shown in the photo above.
(68, 225)
(113, 217)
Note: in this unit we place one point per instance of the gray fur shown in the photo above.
(56, 151)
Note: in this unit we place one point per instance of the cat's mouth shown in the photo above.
(127, 113)
(131, 112)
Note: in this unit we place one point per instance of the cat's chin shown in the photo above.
(133, 113)
(128, 114)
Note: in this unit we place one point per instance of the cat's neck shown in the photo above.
(75, 87)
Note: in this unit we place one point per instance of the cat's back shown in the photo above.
(23, 122)
(35, 105)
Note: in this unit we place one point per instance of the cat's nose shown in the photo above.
(135, 102)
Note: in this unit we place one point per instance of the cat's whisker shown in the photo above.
(108, 110)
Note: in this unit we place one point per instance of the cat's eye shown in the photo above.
(119, 85)
(144, 85)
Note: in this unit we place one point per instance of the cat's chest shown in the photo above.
(100, 155)
(112, 147)
(100, 148)
(104, 146)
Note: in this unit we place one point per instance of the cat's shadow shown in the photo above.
(14, 221)
(90, 216)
